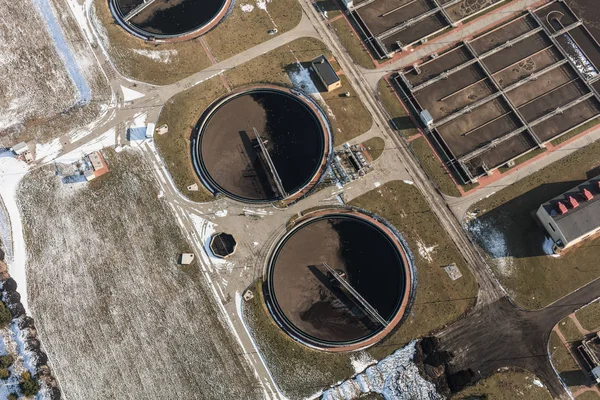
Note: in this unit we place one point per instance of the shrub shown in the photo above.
(6, 361)
(5, 315)
(4, 373)
(12, 396)
(28, 385)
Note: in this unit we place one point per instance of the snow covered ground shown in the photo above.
(11, 173)
(396, 377)
(117, 316)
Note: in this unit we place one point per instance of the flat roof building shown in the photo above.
(574, 215)
(20, 148)
(328, 77)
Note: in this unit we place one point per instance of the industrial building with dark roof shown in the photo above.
(328, 77)
(574, 215)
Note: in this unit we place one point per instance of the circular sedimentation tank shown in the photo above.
(292, 155)
(168, 19)
(313, 306)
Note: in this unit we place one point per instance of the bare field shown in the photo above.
(118, 317)
(37, 87)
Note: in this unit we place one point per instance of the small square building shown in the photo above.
(328, 77)
(573, 216)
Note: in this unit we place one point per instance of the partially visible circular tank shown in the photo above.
(168, 19)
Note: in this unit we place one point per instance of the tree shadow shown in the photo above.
(512, 229)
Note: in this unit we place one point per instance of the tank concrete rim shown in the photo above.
(303, 99)
(402, 308)
(191, 34)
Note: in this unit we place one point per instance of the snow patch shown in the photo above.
(247, 8)
(48, 151)
(107, 139)
(395, 377)
(205, 230)
(221, 213)
(11, 173)
(538, 383)
(408, 182)
(163, 56)
(301, 79)
(361, 360)
(494, 243)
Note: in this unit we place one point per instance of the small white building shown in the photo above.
(426, 118)
(573, 216)
(150, 130)
(596, 374)
(20, 148)
(186, 258)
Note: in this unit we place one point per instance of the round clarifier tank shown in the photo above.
(168, 19)
(262, 144)
(339, 280)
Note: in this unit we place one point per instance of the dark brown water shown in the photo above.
(317, 307)
(294, 139)
(172, 17)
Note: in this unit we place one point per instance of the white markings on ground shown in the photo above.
(130, 94)
(426, 251)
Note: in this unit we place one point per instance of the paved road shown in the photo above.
(501, 335)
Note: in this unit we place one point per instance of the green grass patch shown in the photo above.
(181, 113)
(348, 116)
(589, 316)
(508, 385)
(508, 232)
(399, 118)
(434, 167)
(571, 134)
(569, 330)
(523, 158)
(439, 300)
(240, 31)
(375, 146)
(353, 43)
(567, 368)
(589, 395)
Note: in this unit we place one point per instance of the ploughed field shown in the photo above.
(118, 317)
